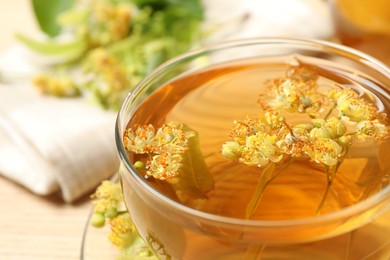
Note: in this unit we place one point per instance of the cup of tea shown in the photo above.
(273, 148)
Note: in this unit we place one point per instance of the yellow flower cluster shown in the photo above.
(256, 142)
(100, 22)
(297, 92)
(56, 85)
(106, 78)
(108, 204)
(349, 104)
(164, 148)
(122, 228)
(114, 21)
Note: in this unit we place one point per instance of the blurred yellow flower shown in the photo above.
(107, 196)
(56, 85)
(122, 230)
(374, 129)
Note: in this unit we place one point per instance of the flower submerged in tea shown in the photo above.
(350, 105)
(254, 141)
(170, 153)
(164, 147)
(297, 92)
(321, 138)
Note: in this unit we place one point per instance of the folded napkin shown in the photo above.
(51, 145)
(232, 19)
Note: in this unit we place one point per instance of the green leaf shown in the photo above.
(46, 12)
(68, 51)
(195, 178)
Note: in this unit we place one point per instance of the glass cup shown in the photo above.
(363, 25)
(176, 231)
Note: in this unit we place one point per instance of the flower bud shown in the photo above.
(320, 133)
(335, 127)
(97, 220)
(111, 213)
(345, 140)
(231, 150)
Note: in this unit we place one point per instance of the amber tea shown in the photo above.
(277, 139)
(210, 101)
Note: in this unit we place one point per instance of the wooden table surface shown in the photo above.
(34, 227)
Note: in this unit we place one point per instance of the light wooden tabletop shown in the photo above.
(33, 227)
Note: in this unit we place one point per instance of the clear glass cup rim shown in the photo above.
(302, 42)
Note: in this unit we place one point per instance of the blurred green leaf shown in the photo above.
(46, 12)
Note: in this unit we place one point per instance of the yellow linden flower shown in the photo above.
(172, 138)
(108, 195)
(320, 132)
(104, 21)
(260, 149)
(298, 91)
(326, 151)
(349, 104)
(292, 144)
(165, 147)
(335, 127)
(273, 119)
(122, 230)
(245, 128)
(140, 139)
(232, 150)
(330, 128)
(58, 85)
(254, 140)
(288, 96)
(106, 78)
(107, 201)
(165, 166)
(374, 129)
(303, 73)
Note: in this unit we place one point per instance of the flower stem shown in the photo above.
(330, 111)
(330, 173)
(265, 178)
(255, 252)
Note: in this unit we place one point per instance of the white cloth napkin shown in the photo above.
(50, 144)
(232, 19)
(53, 145)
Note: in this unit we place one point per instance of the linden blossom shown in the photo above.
(269, 139)
(108, 205)
(350, 105)
(171, 154)
(165, 147)
(297, 92)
